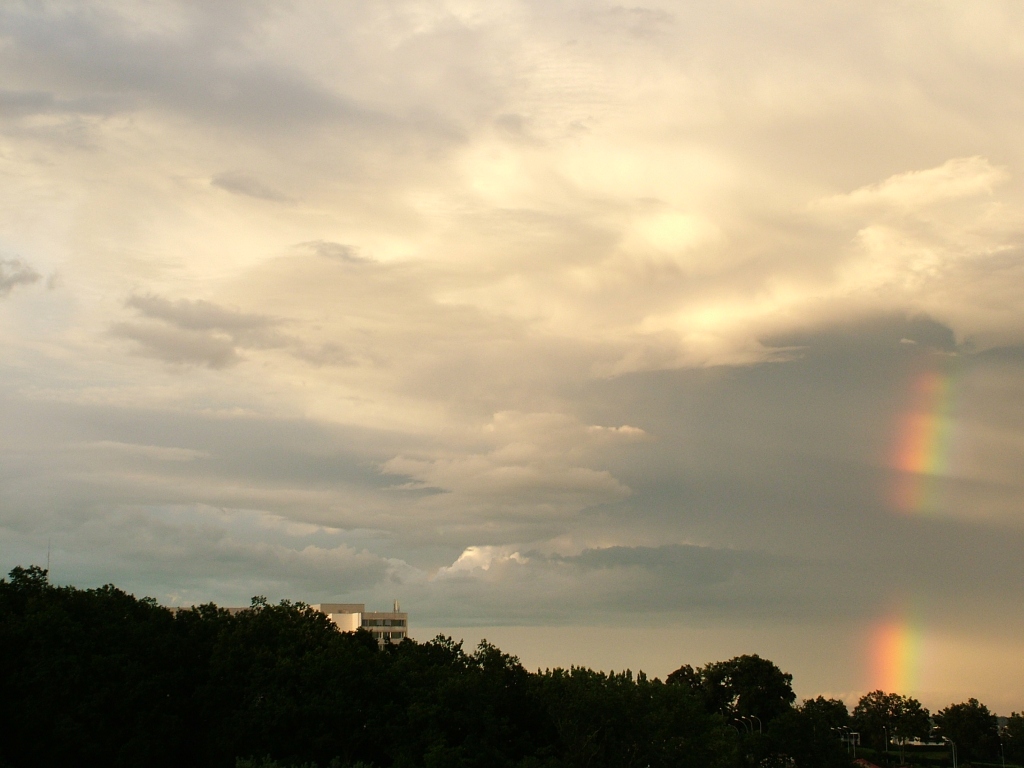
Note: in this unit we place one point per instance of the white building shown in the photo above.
(385, 626)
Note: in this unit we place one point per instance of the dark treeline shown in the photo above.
(99, 678)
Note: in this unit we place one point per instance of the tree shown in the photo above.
(879, 715)
(973, 729)
(808, 734)
(1013, 737)
(744, 686)
(31, 579)
(98, 678)
(616, 719)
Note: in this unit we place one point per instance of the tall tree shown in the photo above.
(973, 729)
(1013, 737)
(746, 686)
(880, 715)
(808, 734)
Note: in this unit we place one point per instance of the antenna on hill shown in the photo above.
(48, 539)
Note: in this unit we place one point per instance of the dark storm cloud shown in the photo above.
(767, 453)
(873, 335)
(15, 272)
(681, 577)
(1012, 355)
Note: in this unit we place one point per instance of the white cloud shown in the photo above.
(534, 467)
(482, 558)
(959, 177)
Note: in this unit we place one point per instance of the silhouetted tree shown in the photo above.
(879, 715)
(1013, 737)
(744, 686)
(809, 734)
(98, 678)
(618, 720)
(973, 729)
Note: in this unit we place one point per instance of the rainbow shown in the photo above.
(896, 655)
(923, 442)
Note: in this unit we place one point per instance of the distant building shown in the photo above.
(385, 626)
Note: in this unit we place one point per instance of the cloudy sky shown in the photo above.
(621, 335)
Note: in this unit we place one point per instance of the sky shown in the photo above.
(621, 335)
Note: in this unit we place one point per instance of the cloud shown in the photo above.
(217, 541)
(156, 452)
(473, 558)
(180, 346)
(345, 253)
(198, 315)
(534, 470)
(489, 584)
(14, 272)
(22, 103)
(196, 332)
(546, 316)
(325, 354)
(186, 75)
(243, 184)
(957, 178)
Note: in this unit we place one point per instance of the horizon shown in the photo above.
(540, 648)
(695, 323)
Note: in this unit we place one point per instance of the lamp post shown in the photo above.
(759, 729)
(843, 737)
(952, 745)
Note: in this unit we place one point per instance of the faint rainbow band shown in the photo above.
(923, 441)
(896, 655)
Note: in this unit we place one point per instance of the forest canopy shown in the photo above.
(97, 677)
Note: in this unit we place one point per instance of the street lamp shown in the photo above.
(953, 746)
(759, 729)
(845, 737)
(842, 736)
